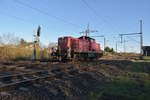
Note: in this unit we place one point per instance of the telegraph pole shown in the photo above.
(124, 46)
(141, 37)
(104, 43)
(116, 47)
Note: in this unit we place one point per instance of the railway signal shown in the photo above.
(36, 41)
(38, 31)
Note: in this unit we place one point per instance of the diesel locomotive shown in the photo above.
(82, 48)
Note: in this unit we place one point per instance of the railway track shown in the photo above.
(105, 62)
(14, 80)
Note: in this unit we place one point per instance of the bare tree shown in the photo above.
(9, 39)
(52, 44)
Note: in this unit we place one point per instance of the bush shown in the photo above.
(13, 52)
(110, 50)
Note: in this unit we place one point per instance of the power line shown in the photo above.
(19, 18)
(93, 10)
(16, 17)
(107, 21)
(141, 38)
(88, 31)
(90, 8)
(45, 13)
(133, 40)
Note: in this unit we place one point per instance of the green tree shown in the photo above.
(108, 49)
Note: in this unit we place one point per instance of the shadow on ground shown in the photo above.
(119, 80)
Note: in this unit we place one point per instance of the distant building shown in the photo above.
(28, 45)
(146, 50)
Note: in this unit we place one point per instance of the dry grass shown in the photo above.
(14, 52)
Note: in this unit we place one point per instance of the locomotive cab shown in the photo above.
(64, 48)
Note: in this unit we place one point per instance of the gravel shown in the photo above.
(74, 87)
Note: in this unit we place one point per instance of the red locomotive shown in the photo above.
(78, 48)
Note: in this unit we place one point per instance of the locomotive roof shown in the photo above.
(86, 37)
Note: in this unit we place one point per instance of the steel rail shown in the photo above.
(15, 79)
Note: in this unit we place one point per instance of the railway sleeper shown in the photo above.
(13, 81)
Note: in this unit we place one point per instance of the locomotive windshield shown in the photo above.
(87, 38)
(62, 40)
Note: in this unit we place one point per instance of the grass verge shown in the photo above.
(123, 88)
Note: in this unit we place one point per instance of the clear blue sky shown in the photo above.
(109, 17)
